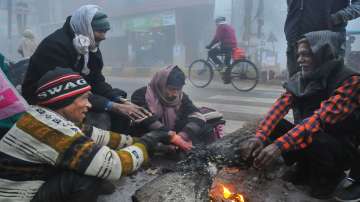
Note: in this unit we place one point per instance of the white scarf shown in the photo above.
(84, 40)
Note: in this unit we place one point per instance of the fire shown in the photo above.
(232, 197)
(227, 193)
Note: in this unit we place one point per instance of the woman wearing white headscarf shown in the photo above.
(76, 46)
(28, 44)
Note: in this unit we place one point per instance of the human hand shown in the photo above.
(266, 156)
(208, 47)
(134, 112)
(184, 136)
(251, 148)
(151, 139)
(334, 20)
(178, 140)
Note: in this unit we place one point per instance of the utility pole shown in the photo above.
(10, 12)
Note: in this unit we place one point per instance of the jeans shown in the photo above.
(213, 54)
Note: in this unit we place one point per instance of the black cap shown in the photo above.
(176, 78)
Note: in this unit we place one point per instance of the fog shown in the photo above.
(153, 33)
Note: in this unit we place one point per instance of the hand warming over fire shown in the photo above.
(178, 140)
(266, 156)
(251, 148)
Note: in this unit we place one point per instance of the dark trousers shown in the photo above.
(215, 52)
(328, 155)
(71, 187)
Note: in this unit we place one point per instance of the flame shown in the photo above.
(233, 197)
(239, 198)
(227, 192)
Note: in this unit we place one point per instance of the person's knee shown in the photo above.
(326, 151)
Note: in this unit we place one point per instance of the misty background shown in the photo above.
(154, 33)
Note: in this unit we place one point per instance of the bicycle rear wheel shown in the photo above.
(200, 73)
(244, 75)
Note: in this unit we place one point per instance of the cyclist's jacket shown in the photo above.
(225, 34)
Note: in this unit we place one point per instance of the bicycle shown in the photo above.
(244, 74)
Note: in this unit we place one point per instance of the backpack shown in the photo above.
(214, 127)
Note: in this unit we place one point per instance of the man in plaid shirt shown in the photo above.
(324, 97)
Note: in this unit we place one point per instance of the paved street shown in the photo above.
(237, 107)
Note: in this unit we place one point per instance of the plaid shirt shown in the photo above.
(339, 106)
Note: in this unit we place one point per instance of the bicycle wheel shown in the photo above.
(200, 73)
(244, 75)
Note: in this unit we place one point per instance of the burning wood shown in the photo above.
(224, 190)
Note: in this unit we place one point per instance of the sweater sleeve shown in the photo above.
(349, 13)
(277, 112)
(65, 146)
(108, 138)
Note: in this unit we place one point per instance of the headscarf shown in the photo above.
(156, 100)
(325, 47)
(28, 34)
(28, 44)
(84, 40)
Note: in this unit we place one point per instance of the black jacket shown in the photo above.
(326, 78)
(57, 50)
(313, 15)
(191, 125)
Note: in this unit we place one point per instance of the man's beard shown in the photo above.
(308, 75)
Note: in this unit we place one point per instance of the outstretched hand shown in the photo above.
(251, 148)
(134, 112)
(266, 156)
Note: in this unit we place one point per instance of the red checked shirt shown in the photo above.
(339, 106)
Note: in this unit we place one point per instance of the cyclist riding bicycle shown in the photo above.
(225, 35)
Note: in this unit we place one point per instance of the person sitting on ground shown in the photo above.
(76, 46)
(174, 110)
(46, 157)
(225, 35)
(325, 99)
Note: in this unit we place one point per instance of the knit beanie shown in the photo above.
(58, 88)
(100, 22)
(176, 78)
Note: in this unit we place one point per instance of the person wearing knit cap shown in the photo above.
(173, 108)
(46, 156)
(76, 46)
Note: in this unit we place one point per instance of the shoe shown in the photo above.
(226, 76)
(324, 187)
(348, 191)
